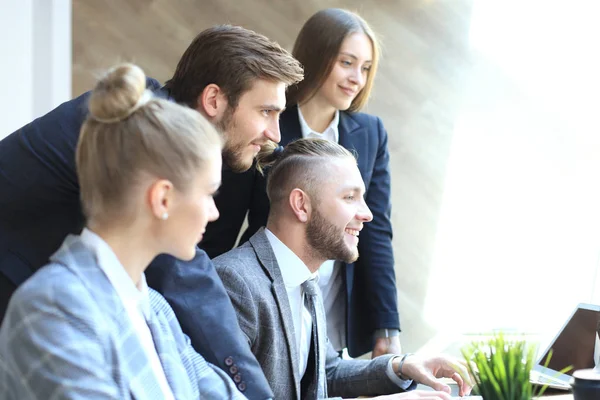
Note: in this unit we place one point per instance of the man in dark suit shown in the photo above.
(317, 213)
(234, 77)
(369, 283)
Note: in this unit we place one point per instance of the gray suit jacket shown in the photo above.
(253, 280)
(66, 335)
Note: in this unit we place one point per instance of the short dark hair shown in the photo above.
(299, 165)
(232, 58)
(317, 47)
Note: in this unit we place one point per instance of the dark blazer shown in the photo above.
(254, 282)
(370, 281)
(39, 207)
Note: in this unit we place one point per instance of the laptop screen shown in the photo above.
(575, 344)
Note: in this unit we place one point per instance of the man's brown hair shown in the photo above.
(231, 57)
(317, 47)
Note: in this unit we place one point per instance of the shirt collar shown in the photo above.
(330, 133)
(130, 294)
(293, 270)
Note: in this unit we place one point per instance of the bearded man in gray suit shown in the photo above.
(317, 211)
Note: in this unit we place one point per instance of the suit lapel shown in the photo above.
(83, 262)
(266, 257)
(169, 357)
(354, 137)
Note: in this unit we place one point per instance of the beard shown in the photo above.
(233, 152)
(326, 242)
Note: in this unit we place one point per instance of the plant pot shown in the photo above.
(586, 384)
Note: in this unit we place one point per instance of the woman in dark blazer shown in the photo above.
(340, 54)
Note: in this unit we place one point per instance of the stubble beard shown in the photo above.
(233, 152)
(325, 241)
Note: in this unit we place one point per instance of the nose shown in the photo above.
(272, 131)
(213, 212)
(363, 213)
(358, 77)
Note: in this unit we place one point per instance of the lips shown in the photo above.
(348, 91)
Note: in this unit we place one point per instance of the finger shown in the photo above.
(463, 386)
(459, 381)
(432, 382)
(464, 389)
(460, 367)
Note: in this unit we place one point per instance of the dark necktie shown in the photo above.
(314, 303)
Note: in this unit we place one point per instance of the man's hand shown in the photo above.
(387, 345)
(427, 370)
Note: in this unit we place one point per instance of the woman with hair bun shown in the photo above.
(86, 326)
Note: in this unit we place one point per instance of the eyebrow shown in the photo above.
(356, 189)
(354, 57)
(272, 107)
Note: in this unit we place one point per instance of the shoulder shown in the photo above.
(372, 123)
(365, 120)
(243, 255)
(55, 302)
(241, 267)
(52, 284)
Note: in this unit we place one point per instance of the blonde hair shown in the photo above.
(300, 164)
(129, 134)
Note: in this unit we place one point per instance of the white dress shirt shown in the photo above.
(330, 279)
(295, 273)
(134, 298)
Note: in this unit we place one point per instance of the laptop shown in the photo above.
(577, 344)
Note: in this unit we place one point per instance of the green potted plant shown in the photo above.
(501, 367)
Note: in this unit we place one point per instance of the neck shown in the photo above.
(129, 246)
(293, 235)
(317, 114)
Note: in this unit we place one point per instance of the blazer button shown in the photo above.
(233, 369)
(237, 378)
(229, 361)
(242, 386)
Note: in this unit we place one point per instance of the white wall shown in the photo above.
(35, 44)
(519, 234)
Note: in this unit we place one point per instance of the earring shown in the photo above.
(165, 216)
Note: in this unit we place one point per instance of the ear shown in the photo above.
(300, 204)
(160, 197)
(212, 102)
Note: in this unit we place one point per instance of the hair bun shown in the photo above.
(118, 94)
